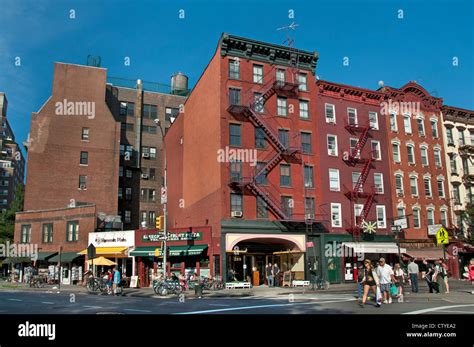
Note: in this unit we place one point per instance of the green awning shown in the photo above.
(174, 251)
(147, 251)
(65, 257)
(45, 255)
(17, 260)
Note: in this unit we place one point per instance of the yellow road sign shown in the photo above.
(442, 236)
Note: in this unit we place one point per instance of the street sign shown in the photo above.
(164, 195)
(91, 251)
(433, 229)
(442, 236)
(401, 223)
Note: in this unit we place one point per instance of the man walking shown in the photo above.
(269, 274)
(413, 271)
(276, 274)
(386, 277)
(117, 279)
(430, 276)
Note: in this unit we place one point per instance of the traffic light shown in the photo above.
(159, 224)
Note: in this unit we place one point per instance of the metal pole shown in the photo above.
(165, 204)
(398, 244)
(59, 277)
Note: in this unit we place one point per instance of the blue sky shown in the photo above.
(379, 45)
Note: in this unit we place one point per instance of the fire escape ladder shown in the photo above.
(363, 176)
(271, 202)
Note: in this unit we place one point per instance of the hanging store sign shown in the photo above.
(185, 236)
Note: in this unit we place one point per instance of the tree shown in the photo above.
(7, 218)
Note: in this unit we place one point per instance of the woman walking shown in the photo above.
(370, 281)
(471, 274)
(400, 277)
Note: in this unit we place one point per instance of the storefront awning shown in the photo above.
(174, 251)
(374, 247)
(147, 251)
(45, 255)
(118, 252)
(65, 257)
(431, 253)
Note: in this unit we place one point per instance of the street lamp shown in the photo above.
(165, 202)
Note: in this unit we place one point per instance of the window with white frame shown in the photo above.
(411, 153)
(330, 112)
(280, 75)
(393, 122)
(421, 126)
(437, 157)
(430, 216)
(374, 120)
(355, 179)
(304, 109)
(401, 212)
(257, 74)
(352, 146)
(282, 109)
(427, 185)
(399, 184)
(303, 82)
(378, 183)
(396, 152)
(376, 151)
(414, 185)
(332, 145)
(336, 215)
(444, 217)
(407, 123)
(416, 218)
(424, 156)
(334, 180)
(352, 116)
(381, 216)
(434, 128)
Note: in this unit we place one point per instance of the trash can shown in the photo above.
(198, 290)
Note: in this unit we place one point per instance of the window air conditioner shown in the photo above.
(236, 214)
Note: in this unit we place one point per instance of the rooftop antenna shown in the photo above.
(290, 42)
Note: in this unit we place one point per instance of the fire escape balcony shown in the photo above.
(466, 150)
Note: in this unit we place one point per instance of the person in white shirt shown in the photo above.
(386, 277)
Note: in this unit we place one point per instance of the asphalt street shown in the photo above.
(52, 302)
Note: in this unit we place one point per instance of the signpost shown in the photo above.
(398, 225)
(91, 255)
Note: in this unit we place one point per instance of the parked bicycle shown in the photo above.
(95, 285)
(171, 285)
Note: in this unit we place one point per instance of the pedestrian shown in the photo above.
(116, 283)
(109, 281)
(276, 274)
(370, 281)
(413, 271)
(444, 268)
(471, 274)
(400, 279)
(360, 278)
(439, 276)
(269, 274)
(386, 277)
(429, 276)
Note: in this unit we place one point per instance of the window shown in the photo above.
(260, 141)
(127, 109)
(287, 205)
(334, 182)
(236, 202)
(456, 194)
(280, 75)
(306, 142)
(407, 124)
(332, 145)
(374, 120)
(330, 113)
(128, 173)
(149, 129)
(235, 133)
(471, 136)
(352, 116)
(437, 157)
(376, 152)
(283, 136)
(234, 69)
(401, 212)
(427, 184)
(85, 134)
(72, 231)
(424, 156)
(152, 218)
(285, 175)
(444, 217)
(352, 148)
(262, 210)
(152, 173)
(309, 206)
(282, 107)
(358, 208)
(120, 193)
(453, 163)
(47, 236)
(416, 218)
(393, 122)
(261, 178)
(411, 154)
(465, 166)
(128, 216)
(378, 183)
(399, 184)
(304, 109)
(381, 219)
(449, 136)
(421, 126)
(441, 188)
(25, 233)
(235, 171)
(303, 82)
(152, 153)
(396, 152)
(336, 215)
(258, 103)
(143, 217)
(171, 113)
(430, 216)
(462, 139)
(308, 177)
(414, 185)
(82, 182)
(128, 194)
(258, 74)
(147, 195)
(234, 96)
(149, 111)
(355, 180)
(84, 160)
(434, 128)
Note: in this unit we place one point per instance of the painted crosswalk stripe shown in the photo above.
(135, 310)
(93, 307)
(47, 302)
(15, 300)
(439, 308)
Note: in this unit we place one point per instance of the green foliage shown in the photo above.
(7, 218)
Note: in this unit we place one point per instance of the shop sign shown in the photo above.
(113, 238)
(185, 236)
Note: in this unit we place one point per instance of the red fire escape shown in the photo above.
(268, 193)
(358, 193)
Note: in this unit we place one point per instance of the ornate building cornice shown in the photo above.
(458, 115)
(349, 92)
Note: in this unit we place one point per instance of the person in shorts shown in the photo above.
(386, 277)
(400, 278)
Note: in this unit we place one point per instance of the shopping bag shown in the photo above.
(393, 290)
(378, 295)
